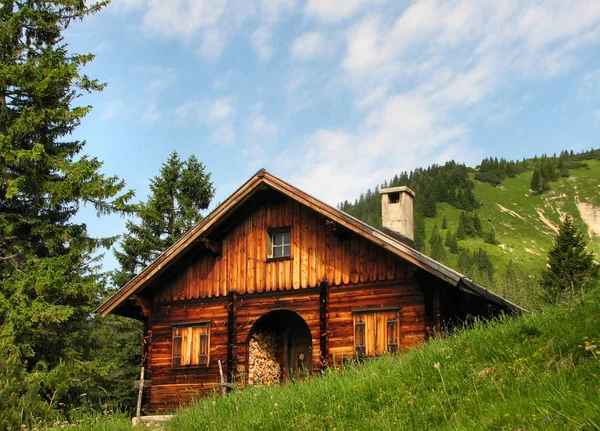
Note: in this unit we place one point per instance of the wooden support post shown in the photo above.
(231, 336)
(437, 312)
(138, 410)
(223, 387)
(323, 323)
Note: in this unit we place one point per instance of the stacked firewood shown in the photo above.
(263, 368)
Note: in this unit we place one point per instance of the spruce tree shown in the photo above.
(570, 266)
(177, 196)
(452, 243)
(437, 250)
(465, 261)
(48, 280)
(537, 183)
(444, 222)
(476, 223)
(483, 264)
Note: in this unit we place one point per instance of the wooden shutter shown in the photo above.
(376, 332)
(359, 335)
(191, 345)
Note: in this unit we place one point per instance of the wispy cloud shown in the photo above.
(210, 24)
(217, 115)
(112, 109)
(588, 89)
(158, 78)
(309, 46)
(416, 75)
(258, 125)
(336, 10)
(151, 113)
(261, 42)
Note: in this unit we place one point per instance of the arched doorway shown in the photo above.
(279, 348)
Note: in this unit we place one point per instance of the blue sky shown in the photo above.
(335, 96)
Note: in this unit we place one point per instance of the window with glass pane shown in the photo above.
(191, 345)
(280, 244)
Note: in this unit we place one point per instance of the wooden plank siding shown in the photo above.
(343, 301)
(317, 256)
(171, 386)
(234, 289)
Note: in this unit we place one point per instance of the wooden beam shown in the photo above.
(214, 246)
(323, 321)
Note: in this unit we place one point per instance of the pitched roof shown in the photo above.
(239, 197)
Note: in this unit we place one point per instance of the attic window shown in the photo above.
(279, 245)
(394, 197)
(191, 345)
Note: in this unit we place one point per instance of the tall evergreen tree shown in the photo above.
(48, 282)
(537, 183)
(437, 250)
(452, 243)
(177, 196)
(484, 266)
(465, 261)
(571, 266)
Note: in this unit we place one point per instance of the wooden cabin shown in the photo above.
(277, 284)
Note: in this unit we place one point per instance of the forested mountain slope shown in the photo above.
(507, 227)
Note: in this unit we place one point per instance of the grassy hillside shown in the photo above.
(533, 372)
(525, 224)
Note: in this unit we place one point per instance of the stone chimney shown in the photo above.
(397, 211)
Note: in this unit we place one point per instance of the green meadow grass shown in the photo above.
(523, 235)
(528, 373)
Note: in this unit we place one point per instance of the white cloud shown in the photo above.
(182, 18)
(259, 125)
(222, 135)
(308, 46)
(217, 115)
(271, 11)
(151, 113)
(589, 87)
(112, 109)
(336, 10)
(213, 43)
(223, 81)
(221, 110)
(159, 78)
(419, 79)
(397, 136)
(209, 24)
(416, 79)
(261, 42)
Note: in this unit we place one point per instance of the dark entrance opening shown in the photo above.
(279, 348)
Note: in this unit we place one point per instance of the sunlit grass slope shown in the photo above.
(535, 372)
(525, 224)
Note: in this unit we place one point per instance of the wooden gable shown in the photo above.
(319, 254)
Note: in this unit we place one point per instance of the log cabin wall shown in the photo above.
(343, 301)
(241, 285)
(172, 387)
